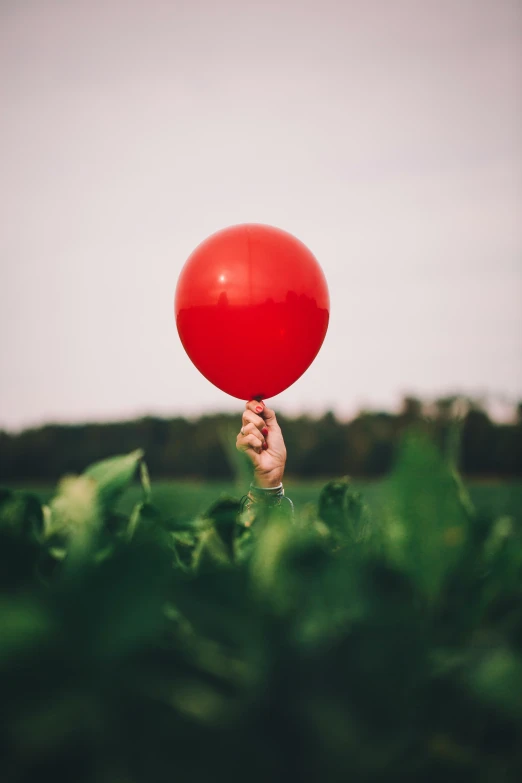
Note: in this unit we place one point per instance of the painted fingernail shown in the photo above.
(265, 446)
(259, 409)
(265, 431)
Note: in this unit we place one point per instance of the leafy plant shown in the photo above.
(342, 646)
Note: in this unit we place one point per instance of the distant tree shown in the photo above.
(478, 444)
(326, 458)
(320, 447)
(411, 410)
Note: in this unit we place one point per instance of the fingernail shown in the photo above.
(259, 409)
(265, 446)
(265, 431)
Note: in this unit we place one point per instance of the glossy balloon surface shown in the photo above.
(252, 309)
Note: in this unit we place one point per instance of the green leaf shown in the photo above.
(114, 475)
(425, 523)
(497, 679)
(25, 624)
(115, 603)
(224, 514)
(343, 510)
(22, 514)
(210, 551)
(145, 480)
(144, 517)
(74, 509)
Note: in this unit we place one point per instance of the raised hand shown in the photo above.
(261, 439)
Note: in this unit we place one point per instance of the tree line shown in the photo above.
(317, 447)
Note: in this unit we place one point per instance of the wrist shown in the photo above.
(269, 480)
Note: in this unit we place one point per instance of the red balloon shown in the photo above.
(252, 309)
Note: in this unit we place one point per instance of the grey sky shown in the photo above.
(385, 134)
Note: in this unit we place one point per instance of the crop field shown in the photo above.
(497, 498)
(152, 633)
(190, 498)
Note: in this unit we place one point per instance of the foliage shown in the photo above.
(348, 645)
(317, 447)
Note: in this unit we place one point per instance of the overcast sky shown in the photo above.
(385, 134)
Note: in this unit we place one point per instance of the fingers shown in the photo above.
(255, 407)
(259, 409)
(253, 418)
(258, 421)
(250, 441)
(254, 430)
(251, 429)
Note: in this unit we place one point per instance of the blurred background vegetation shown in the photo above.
(141, 644)
(322, 447)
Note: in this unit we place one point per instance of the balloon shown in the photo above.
(252, 309)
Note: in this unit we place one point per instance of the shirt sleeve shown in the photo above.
(259, 503)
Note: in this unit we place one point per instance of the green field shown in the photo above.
(190, 498)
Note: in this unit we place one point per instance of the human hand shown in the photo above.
(262, 440)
